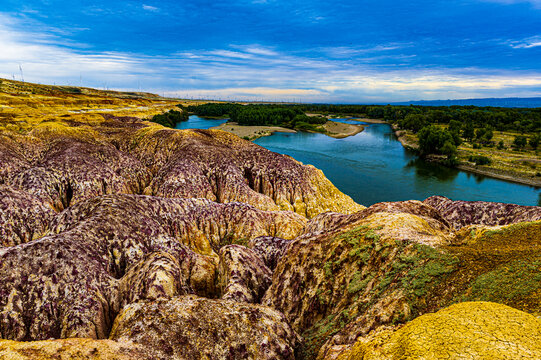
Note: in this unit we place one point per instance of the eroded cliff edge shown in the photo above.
(123, 239)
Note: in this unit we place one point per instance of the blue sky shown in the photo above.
(318, 51)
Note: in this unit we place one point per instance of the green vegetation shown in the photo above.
(519, 142)
(269, 115)
(436, 140)
(463, 122)
(512, 281)
(479, 160)
(213, 109)
(452, 133)
(170, 118)
(231, 239)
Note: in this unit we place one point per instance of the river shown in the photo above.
(372, 166)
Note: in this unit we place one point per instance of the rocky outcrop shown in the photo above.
(470, 330)
(244, 277)
(197, 244)
(270, 249)
(73, 349)
(157, 275)
(66, 283)
(23, 217)
(463, 213)
(221, 167)
(65, 162)
(392, 262)
(189, 327)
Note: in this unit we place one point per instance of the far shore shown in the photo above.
(408, 143)
(366, 120)
(370, 121)
(342, 130)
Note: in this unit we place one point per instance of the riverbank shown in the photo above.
(407, 139)
(493, 173)
(504, 164)
(370, 121)
(333, 129)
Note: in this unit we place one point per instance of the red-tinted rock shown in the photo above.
(464, 213)
(243, 276)
(189, 327)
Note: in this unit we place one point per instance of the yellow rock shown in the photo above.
(469, 330)
(71, 349)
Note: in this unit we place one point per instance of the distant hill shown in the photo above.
(496, 102)
(14, 87)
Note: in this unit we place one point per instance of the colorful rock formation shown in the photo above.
(478, 330)
(123, 239)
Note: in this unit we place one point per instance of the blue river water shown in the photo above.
(372, 166)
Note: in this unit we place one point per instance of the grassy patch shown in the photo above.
(509, 283)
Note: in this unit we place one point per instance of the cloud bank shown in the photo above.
(256, 72)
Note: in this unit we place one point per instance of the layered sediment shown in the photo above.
(123, 239)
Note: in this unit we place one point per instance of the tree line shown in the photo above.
(171, 118)
(287, 116)
(470, 123)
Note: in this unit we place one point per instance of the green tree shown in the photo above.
(449, 149)
(519, 142)
(534, 141)
(488, 135)
(414, 122)
(432, 140)
(468, 131)
(454, 126)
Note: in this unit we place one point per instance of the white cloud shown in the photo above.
(527, 43)
(150, 8)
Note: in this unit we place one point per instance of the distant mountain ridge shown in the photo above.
(532, 102)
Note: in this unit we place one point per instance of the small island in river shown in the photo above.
(251, 132)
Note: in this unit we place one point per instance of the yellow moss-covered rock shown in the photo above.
(72, 349)
(470, 330)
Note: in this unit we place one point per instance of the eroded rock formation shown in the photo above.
(478, 330)
(124, 239)
(66, 284)
(244, 277)
(392, 262)
(463, 213)
(189, 327)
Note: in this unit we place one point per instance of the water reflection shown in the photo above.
(428, 170)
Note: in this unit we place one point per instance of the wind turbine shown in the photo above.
(21, 70)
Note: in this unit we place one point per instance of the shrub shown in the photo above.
(534, 141)
(519, 142)
(170, 118)
(479, 160)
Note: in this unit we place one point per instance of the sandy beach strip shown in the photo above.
(251, 132)
(340, 130)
